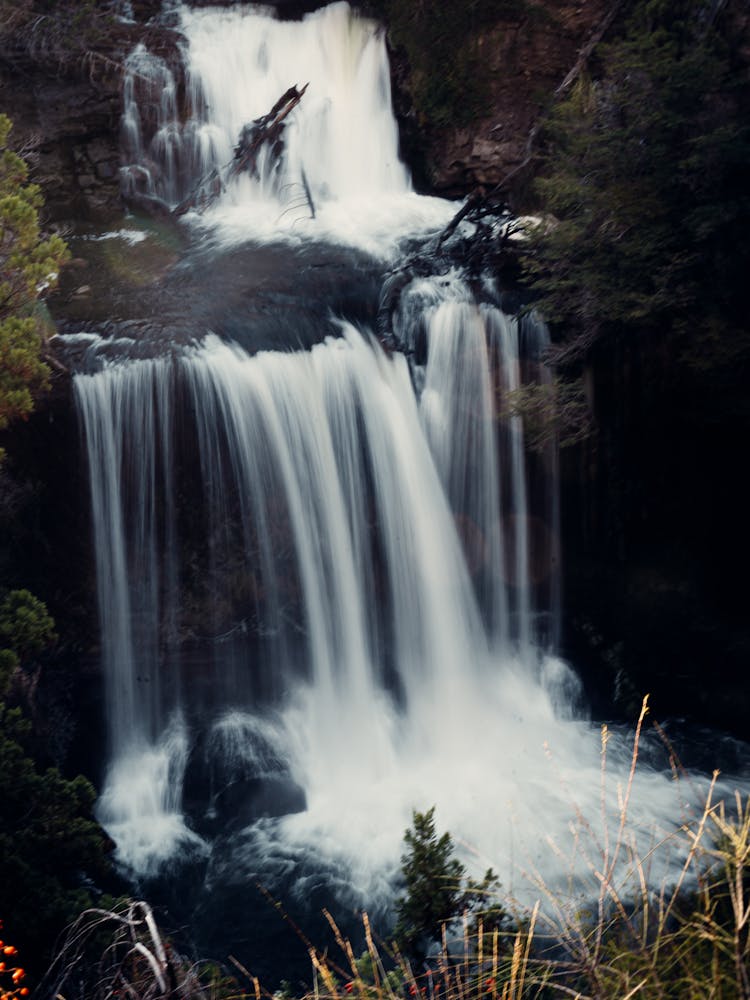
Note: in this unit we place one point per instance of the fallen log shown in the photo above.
(205, 191)
(267, 131)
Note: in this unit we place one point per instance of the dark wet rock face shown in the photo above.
(65, 100)
(519, 63)
(145, 285)
(72, 127)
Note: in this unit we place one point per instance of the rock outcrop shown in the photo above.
(65, 102)
(522, 62)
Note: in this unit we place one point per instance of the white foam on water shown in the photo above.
(140, 805)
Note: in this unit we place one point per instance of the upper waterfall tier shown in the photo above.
(333, 162)
(343, 135)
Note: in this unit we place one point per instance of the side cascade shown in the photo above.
(505, 499)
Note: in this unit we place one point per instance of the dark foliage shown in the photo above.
(50, 844)
(645, 181)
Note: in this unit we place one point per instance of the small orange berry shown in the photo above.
(24, 991)
(10, 950)
(2, 966)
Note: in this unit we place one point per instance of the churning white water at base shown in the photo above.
(378, 227)
(141, 805)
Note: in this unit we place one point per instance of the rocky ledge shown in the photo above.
(63, 90)
(520, 63)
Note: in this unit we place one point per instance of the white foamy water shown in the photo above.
(141, 805)
(341, 140)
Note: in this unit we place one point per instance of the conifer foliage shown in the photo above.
(433, 892)
(436, 891)
(48, 836)
(644, 182)
(29, 264)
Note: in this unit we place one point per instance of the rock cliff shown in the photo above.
(62, 89)
(518, 65)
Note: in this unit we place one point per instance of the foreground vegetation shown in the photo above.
(51, 848)
(29, 264)
(50, 845)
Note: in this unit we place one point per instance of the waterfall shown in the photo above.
(474, 359)
(351, 649)
(328, 581)
(340, 145)
(353, 526)
(151, 137)
(343, 136)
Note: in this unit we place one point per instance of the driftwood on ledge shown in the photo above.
(264, 132)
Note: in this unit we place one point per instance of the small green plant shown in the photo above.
(433, 885)
(437, 891)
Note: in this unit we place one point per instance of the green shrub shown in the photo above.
(25, 624)
(643, 176)
(29, 265)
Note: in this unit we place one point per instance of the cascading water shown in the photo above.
(322, 492)
(474, 358)
(369, 651)
(341, 141)
(328, 581)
